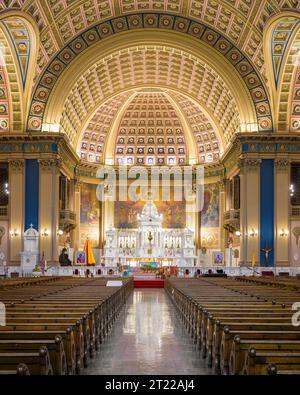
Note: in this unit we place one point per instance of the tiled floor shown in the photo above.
(148, 339)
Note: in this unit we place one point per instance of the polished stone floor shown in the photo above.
(147, 339)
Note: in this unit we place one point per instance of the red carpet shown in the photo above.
(148, 283)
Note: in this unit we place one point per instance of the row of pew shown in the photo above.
(240, 327)
(287, 282)
(55, 327)
(25, 281)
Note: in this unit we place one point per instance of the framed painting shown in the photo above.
(218, 259)
(80, 258)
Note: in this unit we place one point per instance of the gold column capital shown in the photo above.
(249, 164)
(77, 186)
(16, 165)
(222, 185)
(47, 165)
(282, 164)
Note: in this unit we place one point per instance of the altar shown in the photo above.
(150, 242)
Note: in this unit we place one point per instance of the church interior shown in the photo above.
(149, 187)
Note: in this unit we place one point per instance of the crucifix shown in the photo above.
(267, 251)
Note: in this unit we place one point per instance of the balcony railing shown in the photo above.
(67, 220)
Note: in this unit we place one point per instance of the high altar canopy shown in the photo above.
(142, 83)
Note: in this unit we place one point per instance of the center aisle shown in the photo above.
(147, 339)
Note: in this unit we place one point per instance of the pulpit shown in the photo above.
(30, 256)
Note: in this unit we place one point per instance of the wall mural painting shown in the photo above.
(126, 214)
(89, 215)
(210, 217)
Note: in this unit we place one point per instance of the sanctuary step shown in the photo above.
(148, 283)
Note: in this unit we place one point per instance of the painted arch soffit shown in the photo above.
(241, 21)
(159, 21)
(19, 36)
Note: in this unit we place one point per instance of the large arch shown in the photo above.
(19, 38)
(233, 60)
(281, 44)
(240, 21)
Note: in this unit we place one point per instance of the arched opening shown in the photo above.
(179, 68)
(19, 40)
(282, 46)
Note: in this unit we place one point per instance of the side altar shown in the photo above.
(150, 242)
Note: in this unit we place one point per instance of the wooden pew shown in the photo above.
(38, 362)
(273, 371)
(257, 363)
(55, 349)
(240, 349)
(42, 336)
(213, 309)
(22, 370)
(81, 311)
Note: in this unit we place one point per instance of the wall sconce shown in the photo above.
(14, 233)
(45, 233)
(238, 233)
(60, 232)
(253, 232)
(284, 233)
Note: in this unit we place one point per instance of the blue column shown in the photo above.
(32, 194)
(267, 196)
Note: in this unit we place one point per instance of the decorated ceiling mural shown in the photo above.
(241, 21)
(212, 108)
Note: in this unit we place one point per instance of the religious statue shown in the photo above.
(267, 251)
(64, 258)
(150, 238)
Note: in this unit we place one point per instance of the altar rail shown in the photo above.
(99, 271)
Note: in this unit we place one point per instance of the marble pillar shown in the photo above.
(282, 212)
(16, 210)
(250, 210)
(49, 209)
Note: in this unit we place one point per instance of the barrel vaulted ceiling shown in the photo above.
(204, 101)
(145, 66)
(242, 21)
